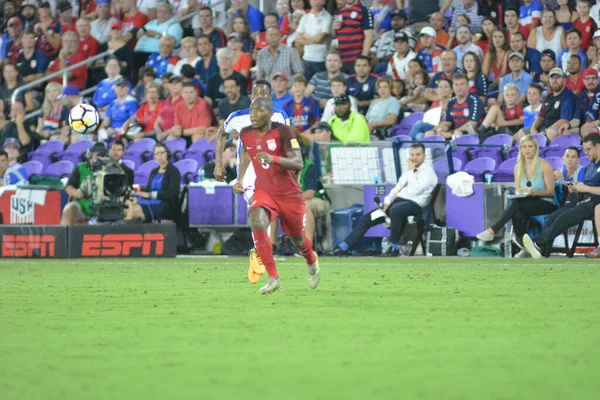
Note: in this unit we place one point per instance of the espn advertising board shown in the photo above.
(23, 241)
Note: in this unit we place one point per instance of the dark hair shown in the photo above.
(573, 30)
(187, 71)
(592, 138)
(203, 36)
(28, 32)
(118, 143)
(229, 145)
(340, 79)
(263, 82)
(420, 62)
(164, 146)
(3, 153)
(403, 88)
(477, 64)
(422, 72)
(232, 78)
(366, 58)
(447, 80)
(518, 33)
(147, 71)
(189, 84)
(459, 75)
(536, 86)
(418, 146)
(575, 149)
(272, 14)
(206, 8)
(167, 76)
(484, 35)
(117, 60)
(492, 49)
(513, 10)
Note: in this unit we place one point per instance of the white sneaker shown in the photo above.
(523, 254)
(485, 236)
(314, 274)
(531, 247)
(273, 285)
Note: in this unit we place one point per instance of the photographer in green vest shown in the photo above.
(79, 208)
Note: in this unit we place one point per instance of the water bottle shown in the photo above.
(377, 179)
(200, 174)
(385, 245)
(464, 252)
(507, 248)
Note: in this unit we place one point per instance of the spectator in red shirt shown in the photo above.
(166, 118)
(192, 117)
(271, 21)
(133, 20)
(88, 46)
(585, 24)
(148, 113)
(65, 16)
(67, 57)
(48, 32)
(574, 82)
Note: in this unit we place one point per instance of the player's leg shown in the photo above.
(260, 218)
(596, 252)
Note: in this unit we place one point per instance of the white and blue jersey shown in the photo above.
(237, 121)
(15, 175)
(105, 92)
(121, 112)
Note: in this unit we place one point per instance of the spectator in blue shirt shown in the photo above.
(281, 94)
(361, 85)
(588, 105)
(14, 173)
(254, 16)
(119, 111)
(163, 25)
(532, 56)
(517, 76)
(573, 48)
(208, 65)
(164, 61)
(105, 91)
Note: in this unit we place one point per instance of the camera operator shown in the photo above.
(80, 208)
(160, 199)
(116, 151)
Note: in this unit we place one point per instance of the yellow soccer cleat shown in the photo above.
(256, 267)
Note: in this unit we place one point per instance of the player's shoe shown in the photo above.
(531, 247)
(314, 273)
(273, 285)
(256, 267)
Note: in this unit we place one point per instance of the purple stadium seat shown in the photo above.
(584, 161)
(48, 152)
(407, 123)
(201, 151)
(441, 168)
(129, 164)
(188, 169)
(59, 169)
(541, 139)
(75, 152)
(177, 148)
(142, 174)
(33, 168)
(140, 151)
(479, 167)
(464, 153)
(558, 146)
(506, 171)
(495, 153)
(492, 95)
(555, 162)
(404, 138)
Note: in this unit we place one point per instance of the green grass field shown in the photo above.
(422, 328)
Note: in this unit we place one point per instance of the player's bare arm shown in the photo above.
(244, 162)
(293, 160)
(219, 148)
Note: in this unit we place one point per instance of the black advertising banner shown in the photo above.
(33, 241)
(128, 240)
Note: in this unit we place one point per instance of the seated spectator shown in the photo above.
(511, 20)
(146, 75)
(54, 123)
(229, 164)
(572, 171)
(242, 62)
(149, 37)
(398, 65)
(483, 40)
(187, 75)
(573, 48)
(120, 110)
(30, 62)
(430, 53)
(3, 167)
(585, 24)
(496, 59)
(160, 197)
(71, 96)
(118, 45)
(507, 118)
(80, 206)
(277, 57)
(319, 86)
(465, 45)
(11, 44)
(14, 173)
(242, 28)
(18, 128)
(64, 11)
(12, 81)
(573, 213)
(437, 110)
(442, 39)
(534, 99)
(29, 14)
(281, 95)
(88, 46)
(449, 68)
(558, 108)
(574, 80)
(338, 87)
(192, 117)
(304, 112)
(517, 76)
(532, 56)
(406, 199)
(147, 115)
(547, 63)
(116, 152)
(69, 56)
(478, 84)
(383, 112)
(469, 8)
(348, 126)
(384, 47)
(48, 32)
(189, 54)
(271, 21)
(105, 91)
(208, 63)
(361, 85)
(166, 116)
(534, 177)
(100, 27)
(530, 14)
(586, 108)
(234, 100)
(133, 21)
(203, 26)
(415, 100)
(214, 89)
(463, 112)
(164, 61)
(548, 29)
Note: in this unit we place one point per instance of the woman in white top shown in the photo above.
(189, 54)
(549, 35)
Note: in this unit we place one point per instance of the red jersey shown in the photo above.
(515, 112)
(167, 112)
(587, 30)
(137, 21)
(88, 47)
(575, 85)
(148, 118)
(278, 141)
(70, 27)
(80, 74)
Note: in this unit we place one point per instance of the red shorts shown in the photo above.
(290, 210)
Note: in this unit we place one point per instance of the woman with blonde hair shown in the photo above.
(54, 123)
(534, 183)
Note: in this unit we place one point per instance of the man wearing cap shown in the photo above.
(15, 174)
(348, 126)
(204, 25)
(313, 34)
(68, 56)
(80, 208)
(72, 96)
(354, 32)
(382, 51)
(517, 76)
(277, 57)
(30, 62)
(547, 63)
(398, 65)
(163, 61)
(281, 94)
(120, 110)
(573, 48)
(100, 27)
(149, 36)
(361, 85)
(29, 13)
(339, 86)
(48, 32)
(438, 23)
(587, 107)
(464, 36)
(532, 56)
(64, 10)
(233, 101)
(558, 108)
(11, 42)
(430, 53)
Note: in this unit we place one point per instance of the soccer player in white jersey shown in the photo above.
(233, 126)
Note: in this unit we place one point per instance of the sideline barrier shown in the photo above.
(27, 241)
(38, 205)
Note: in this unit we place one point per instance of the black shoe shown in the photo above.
(339, 252)
(392, 253)
(519, 242)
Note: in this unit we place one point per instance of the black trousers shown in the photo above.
(398, 212)
(520, 210)
(562, 219)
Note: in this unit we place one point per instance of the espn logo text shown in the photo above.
(111, 245)
(28, 246)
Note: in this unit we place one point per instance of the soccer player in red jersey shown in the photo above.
(274, 151)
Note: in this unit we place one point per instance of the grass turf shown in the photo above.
(422, 328)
